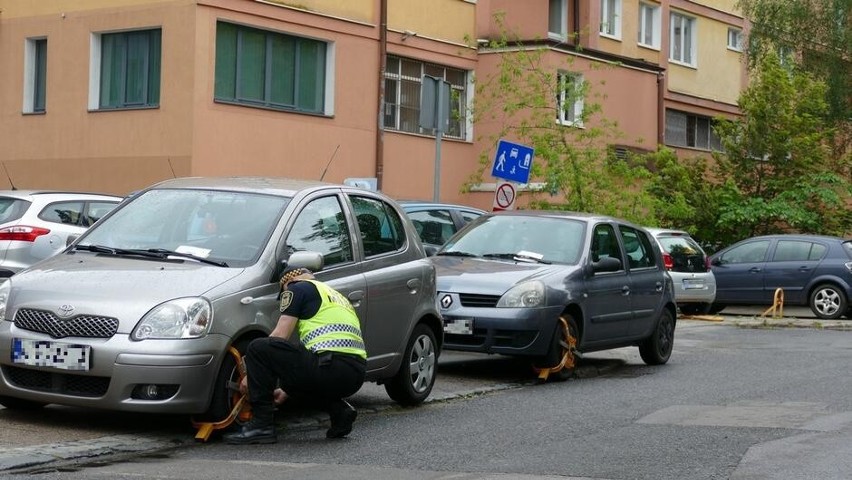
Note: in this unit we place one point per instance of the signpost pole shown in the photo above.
(436, 193)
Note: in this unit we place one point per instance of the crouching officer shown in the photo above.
(328, 364)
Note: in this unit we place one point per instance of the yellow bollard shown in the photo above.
(777, 308)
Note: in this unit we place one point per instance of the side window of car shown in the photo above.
(68, 213)
(321, 227)
(792, 251)
(638, 248)
(469, 216)
(433, 226)
(605, 244)
(96, 210)
(380, 226)
(817, 251)
(749, 253)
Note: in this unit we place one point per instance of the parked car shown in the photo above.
(140, 312)
(689, 267)
(545, 285)
(36, 224)
(437, 222)
(811, 270)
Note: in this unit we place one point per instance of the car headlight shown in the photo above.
(5, 287)
(523, 295)
(180, 318)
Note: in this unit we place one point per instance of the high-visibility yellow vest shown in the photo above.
(335, 327)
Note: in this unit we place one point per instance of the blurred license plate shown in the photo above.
(459, 326)
(692, 283)
(43, 353)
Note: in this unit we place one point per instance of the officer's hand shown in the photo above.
(244, 385)
(279, 396)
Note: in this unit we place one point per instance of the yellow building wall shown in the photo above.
(718, 73)
(728, 6)
(360, 10)
(455, 23)
(19, 8)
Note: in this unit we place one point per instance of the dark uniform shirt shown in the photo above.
(305, 300)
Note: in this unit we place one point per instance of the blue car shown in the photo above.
(811, 270)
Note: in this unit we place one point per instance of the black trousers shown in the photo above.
(324, 377)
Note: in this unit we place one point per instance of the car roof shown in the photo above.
(411, 204)
(796, 236)
(272, 185)
(26, 194)
(667, 231)
(584, 216)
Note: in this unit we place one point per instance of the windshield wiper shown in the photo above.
(160, 253)
(164, 253)
(456, 254)
(527, 257)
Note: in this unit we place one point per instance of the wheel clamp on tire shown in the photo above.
(777, 308)
(241, 408)
(567, 353)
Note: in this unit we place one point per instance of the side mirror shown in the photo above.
(716, 261)
(313, 261)
(430, 250)
(608, 264)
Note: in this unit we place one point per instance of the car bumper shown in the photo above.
(183, 370)
(507, 331)
(690, 288)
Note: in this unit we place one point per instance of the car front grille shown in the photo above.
(87, 326)
(477, 300)
(62, 383)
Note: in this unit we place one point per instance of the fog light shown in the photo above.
(153, 391)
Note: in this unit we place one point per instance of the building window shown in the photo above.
(735, 39)
(569, 98)
(268, 69)
(682, 39)
(611, 18)
(129, 69)
(689, 130)
(649, 25)
(558, 19)
(35, 75)
(403, 79)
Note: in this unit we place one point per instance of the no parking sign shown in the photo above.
(504, 197)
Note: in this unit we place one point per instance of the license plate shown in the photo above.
(692, 284)
(44, 353)
(462, 326)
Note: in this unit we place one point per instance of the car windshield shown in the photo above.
(520, 238)
(230, 228)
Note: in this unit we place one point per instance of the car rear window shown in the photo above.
(686, 255)
(847, 247)
(12, 209)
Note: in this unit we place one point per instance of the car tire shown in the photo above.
(413, 383)
(561, 341)
(716, 308)
(224, 396)
(695, 308)
(828, 302)
(13, 403)
(657, 348)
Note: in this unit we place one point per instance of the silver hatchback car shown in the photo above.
(689, 267)
(36, 224)
(140, 312)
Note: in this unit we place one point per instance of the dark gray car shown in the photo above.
(139, 314)
(548, 284)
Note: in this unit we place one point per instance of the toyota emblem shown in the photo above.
(66, 310)
(446, 301)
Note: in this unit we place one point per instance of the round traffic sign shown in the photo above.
(504, 196)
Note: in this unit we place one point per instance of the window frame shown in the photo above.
(559, 10)
(655, 11)
(576, 81)
(737, 45)
(688, 43)
(692, 121)
(151, 90)
(35, 75)
(232, 91)
(611, 10)
(394, 103)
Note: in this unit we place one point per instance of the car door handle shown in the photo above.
(355, 297)
(625, 290)
(804, 269)
(754, 270)
(659, 287)
(413, 284)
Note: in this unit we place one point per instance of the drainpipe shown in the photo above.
(661, 108)
(380, 130)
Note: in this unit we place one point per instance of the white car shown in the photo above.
(689, 267)
(36, 224)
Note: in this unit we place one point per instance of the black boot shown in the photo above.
(260, 429)
(342, 416)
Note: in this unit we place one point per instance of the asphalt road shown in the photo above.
(495, 392)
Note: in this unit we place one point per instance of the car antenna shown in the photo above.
(9, 176)
(171, 167)
(329, 162)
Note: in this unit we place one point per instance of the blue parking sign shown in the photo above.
(512, 162)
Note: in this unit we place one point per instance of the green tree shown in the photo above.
(816, 37)
(579, 172)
